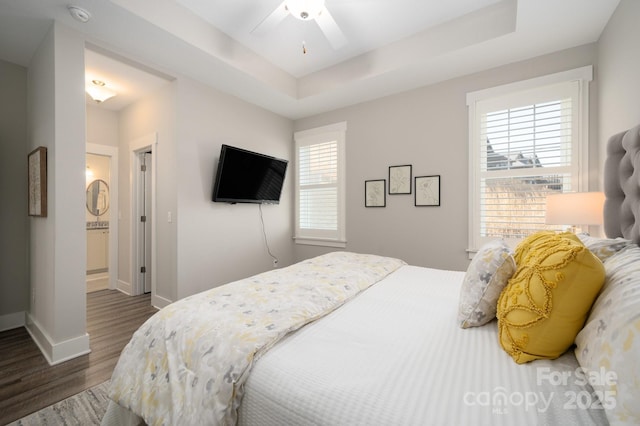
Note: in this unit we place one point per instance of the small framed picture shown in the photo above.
(399, 179)
(375, 193)
(37, 168)
(427, 191)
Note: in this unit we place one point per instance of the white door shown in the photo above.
(146, 242)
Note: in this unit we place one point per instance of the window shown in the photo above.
(527, 140)
(320, 181)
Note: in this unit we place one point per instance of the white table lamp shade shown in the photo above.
(575, 208)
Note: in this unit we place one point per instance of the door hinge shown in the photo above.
(143, 218)
(143, 167)
(143, 269)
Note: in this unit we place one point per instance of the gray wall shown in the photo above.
(14, 229)
(56, 111)
(206, 244)
(619, 72)
(102, 126)
(219, 242)
(427, 128)
(155, 113)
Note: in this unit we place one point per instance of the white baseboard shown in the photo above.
(156, 301)
(11, 321)
(125, 287)
(160, 302)
(96, 284)
(56, 352)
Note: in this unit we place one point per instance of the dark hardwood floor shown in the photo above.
(28, 383)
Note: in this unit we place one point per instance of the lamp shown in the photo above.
(98, 91)
(575, 208)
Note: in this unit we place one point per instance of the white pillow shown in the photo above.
(608, 346)
(487, 275)
(604, 247)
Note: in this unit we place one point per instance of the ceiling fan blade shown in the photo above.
(330, 29)
(272, 20)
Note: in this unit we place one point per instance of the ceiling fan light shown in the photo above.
(305, 10)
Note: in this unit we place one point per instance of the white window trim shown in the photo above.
(335, 132)
(583, 76)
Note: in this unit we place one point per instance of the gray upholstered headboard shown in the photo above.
(622, 186)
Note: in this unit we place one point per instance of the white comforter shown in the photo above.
(188, 363)
(396, 356)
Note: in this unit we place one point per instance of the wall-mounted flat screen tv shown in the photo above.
(248, 177)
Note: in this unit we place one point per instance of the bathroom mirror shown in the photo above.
(98, 197)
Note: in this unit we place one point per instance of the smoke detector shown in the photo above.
(79, 14)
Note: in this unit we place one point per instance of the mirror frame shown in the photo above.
(92, 200)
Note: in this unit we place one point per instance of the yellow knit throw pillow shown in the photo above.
(546, 302)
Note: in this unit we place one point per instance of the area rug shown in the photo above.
(84, 408)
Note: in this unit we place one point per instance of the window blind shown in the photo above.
(318, 186)
(527, 139)
(525, 155)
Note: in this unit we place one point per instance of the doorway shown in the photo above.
(101, 214)
(146, 217)
(143, 201)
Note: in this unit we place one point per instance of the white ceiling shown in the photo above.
(130, 81)
(367, 25)
(392, 45)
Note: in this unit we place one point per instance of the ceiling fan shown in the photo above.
(305, 10)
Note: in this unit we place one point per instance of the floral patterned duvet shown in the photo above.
(187, 364)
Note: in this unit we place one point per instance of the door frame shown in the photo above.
(137, 147)
(112, 153)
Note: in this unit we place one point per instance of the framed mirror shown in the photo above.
(98, 197)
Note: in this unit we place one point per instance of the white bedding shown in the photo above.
(189, 361)
(395, 355)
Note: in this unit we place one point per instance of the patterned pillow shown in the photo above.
(486, 276)
(604, 247)
(532, 240)
(547, 300)
(609, 344)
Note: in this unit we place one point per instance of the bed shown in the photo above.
(358, 339)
